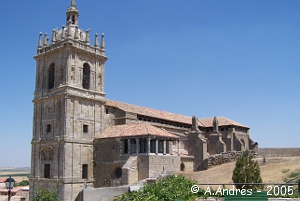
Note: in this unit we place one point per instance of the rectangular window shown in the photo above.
(167, 147)
(143, 146)
(47, 171)
(160, 146)
(84, 171)
(85, 128)
(152, 146)
(48, 128)
(125, 143)
(132, 146)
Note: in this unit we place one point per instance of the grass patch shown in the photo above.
(294, 174)
(291, 175)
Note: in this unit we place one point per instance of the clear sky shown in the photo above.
(232, 58)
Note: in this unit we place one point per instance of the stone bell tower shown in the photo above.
(68, 103)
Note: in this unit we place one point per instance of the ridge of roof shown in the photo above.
(159, 114)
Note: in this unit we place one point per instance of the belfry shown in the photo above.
(69, 80)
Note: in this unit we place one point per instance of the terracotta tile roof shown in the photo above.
(159, 114)
(137, 129)
(149, 112)
(223, 121)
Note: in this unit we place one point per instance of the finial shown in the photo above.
(102, 42)
(195, 123)
(63, 34)
(46, 40)
(40, 43)
(76, 35)
(73, 4)
(215, 124)
(69, 30)
(87, 39)
(81, 35)
(96, 40)
(53, 40)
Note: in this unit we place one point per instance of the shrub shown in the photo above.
(22, 183)
(167, 189)
(285, 170)
(45, 195)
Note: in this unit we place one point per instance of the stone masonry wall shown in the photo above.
(221, 158)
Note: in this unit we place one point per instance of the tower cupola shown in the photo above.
(70, 33)
(72, 14)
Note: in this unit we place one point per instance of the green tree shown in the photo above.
(246, 171)
(45, 195)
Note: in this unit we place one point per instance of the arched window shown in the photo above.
(51, 76)
(86, 76)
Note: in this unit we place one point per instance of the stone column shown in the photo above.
(178, 147)
(137, 140)
(164, 148)
(148, 151)
(156, 146)
(171, 147)
(129, 148)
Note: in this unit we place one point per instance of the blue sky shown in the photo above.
(232, 58)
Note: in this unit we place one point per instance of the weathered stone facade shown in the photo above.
(68, 109)
(70, 149)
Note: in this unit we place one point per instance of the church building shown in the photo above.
(81, 139)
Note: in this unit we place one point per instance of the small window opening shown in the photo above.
(118, 172)
(106, 110)
(86, 76)
(47, 171)
(48, 128)
(182, 167)
(51, 74)
(84, 171)
(125, 144)
(85, 128)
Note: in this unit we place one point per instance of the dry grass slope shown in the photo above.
(274, 170)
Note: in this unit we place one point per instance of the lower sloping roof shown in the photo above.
(134, 130)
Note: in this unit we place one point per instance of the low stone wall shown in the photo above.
(278, 152)
(104, 194)
(221, 158)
